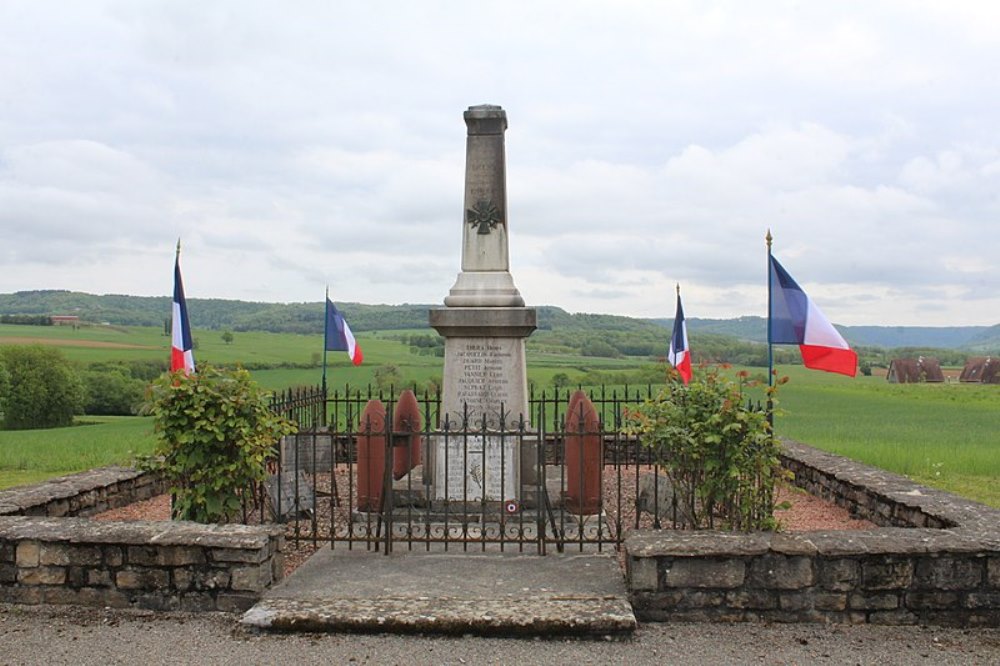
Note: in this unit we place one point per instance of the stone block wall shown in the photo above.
(163, 565)
(50, 555)
(937, 561)
(82, 494)
(867, 492)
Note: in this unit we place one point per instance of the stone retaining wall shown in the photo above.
(944, 571)
(49, 556)
(82, 494)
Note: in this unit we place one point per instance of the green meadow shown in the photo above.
(27, 456)
(944, 435)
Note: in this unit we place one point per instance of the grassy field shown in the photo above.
(27, 456)
(944, 435)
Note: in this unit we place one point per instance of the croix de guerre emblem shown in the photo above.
(485, 216)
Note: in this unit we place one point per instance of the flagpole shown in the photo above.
(177, 262)
(770, 347)
(326, 333)
(676, 303)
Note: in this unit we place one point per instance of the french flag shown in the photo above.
(679, 354)
(337, 334)
(795, 320)
(182, 346)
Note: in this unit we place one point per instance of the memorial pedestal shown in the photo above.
(486, 392)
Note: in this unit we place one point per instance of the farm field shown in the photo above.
(943, 435)
(95, 344)
(28, 456)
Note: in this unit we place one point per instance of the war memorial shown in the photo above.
(491, 510)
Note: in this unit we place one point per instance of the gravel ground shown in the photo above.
(67, 635)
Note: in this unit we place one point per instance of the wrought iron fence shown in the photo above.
(378, 471)
(305, 405)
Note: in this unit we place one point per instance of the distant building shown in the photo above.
(982, 370)
(65, 320)
(911, 371)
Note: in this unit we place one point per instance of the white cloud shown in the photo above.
(649, 144)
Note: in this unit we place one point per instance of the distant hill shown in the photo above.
(237, 315)
(985, 341)
(212, 313)
(754, 329)
(751, 329)
(945, 337)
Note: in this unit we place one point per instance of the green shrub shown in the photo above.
(214, 432)
(111, 393)
(43, 388)
(598, 347)
(387, 376)
(718, 451)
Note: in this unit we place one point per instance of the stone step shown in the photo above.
(450, 593)
(583, 616)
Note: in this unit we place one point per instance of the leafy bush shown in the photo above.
(111, 392)
(145, 369)
(43, 388)
(26, 319)
(214, 433)
(598, 347)
(4, 385)
(717, 451)
(387, 376)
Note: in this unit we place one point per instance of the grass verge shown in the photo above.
(28, 456)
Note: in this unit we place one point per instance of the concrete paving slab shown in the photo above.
(484, 594)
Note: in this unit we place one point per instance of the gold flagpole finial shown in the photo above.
(769, 238)
(678, 288)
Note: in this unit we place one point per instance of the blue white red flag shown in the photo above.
(680, 354)
(795, 320)
(337, 334)
(182, 345)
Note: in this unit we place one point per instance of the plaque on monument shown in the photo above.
(481, 380)
(477, 468)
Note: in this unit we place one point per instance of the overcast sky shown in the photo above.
(294, 145)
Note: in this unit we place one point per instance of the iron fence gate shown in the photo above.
(379, 472)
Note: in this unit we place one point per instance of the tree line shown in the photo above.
(41, 388)
(629, 336)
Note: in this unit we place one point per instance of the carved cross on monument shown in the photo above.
(485, 280)
(484, 216)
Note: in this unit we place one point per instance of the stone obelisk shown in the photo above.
(484, 321)
(485, 280)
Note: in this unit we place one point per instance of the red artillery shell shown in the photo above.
(573, 408)
(406, 425)
(583, 457)
(371, 456)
